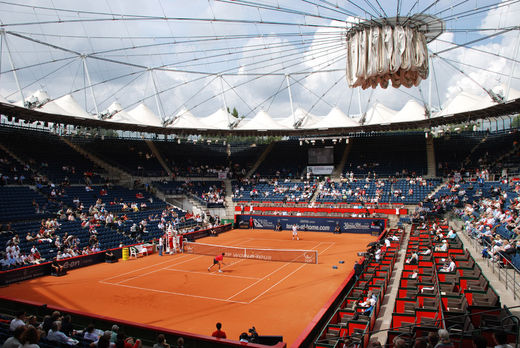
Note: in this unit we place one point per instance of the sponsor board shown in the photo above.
(25, 273)
(192, 236)
(316, 224)
(320, 170)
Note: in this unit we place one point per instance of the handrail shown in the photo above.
(516, 272)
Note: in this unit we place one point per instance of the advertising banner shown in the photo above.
(320, 170)
(29, 272)
(315, 224)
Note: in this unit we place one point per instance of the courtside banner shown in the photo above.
(29, 272)
(315, 224)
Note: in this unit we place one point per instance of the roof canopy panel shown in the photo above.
(144, 116)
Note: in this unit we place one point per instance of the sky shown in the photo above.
(203, 55)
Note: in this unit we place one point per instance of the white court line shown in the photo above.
(259, 280)
(234, 263)
(215, 274)
(278, 282)
(139, 269)
(279, 240)
(171, 292)
(155, 265)
(158, 270)
(287, 276)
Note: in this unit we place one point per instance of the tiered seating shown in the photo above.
(133, 156)
(351, 322)
(16, 206)
(50, 156)
(451, 150)
(493, 146)
(287, 159)
(21, 203)
(112, 197)
(409, 191)
(436, 298)
(388, 154)
(194, 160)
(274, 192)
(210, 193)
(12, 172)
(468, 192)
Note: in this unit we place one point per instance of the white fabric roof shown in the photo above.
(185, 119)
(53, 108)
(412, 111)
(220, 119)
(39, 96)
(144, 116)
(308, 119)
(501, 90)
(261, 121)
(71, 106)
(3, 100)
(465, 102)
(379, 114)
(120, 115)
(335, 119)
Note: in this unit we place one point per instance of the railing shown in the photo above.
(508, 274)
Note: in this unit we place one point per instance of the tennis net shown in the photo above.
(284, 255)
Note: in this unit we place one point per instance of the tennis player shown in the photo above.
(219, 259)
(295, 232)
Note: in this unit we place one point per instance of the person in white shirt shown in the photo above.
(18, 321)
(448, 267)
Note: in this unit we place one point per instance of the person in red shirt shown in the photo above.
(219, 259)
(219, 333)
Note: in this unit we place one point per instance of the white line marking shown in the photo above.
(259, 280)
(158, 270)
(171, 292)
(276, 270)
(139, 269)
(279, 240)
(208, 273)
(287, 276)
(234, 263)
(278, 282)
(326, 249)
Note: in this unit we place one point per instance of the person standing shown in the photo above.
(219, 333)
(161, 245)
(295, 232)
(358, 269)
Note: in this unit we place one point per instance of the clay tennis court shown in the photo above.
(177, 292)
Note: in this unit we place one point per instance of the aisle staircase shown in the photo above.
(260, 160)
(112, 171)
(430, 157)
(341, 166)
(383, 322)
(10, 153)
(230, 205)
(159, 157)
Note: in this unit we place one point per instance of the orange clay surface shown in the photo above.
(177, 292)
